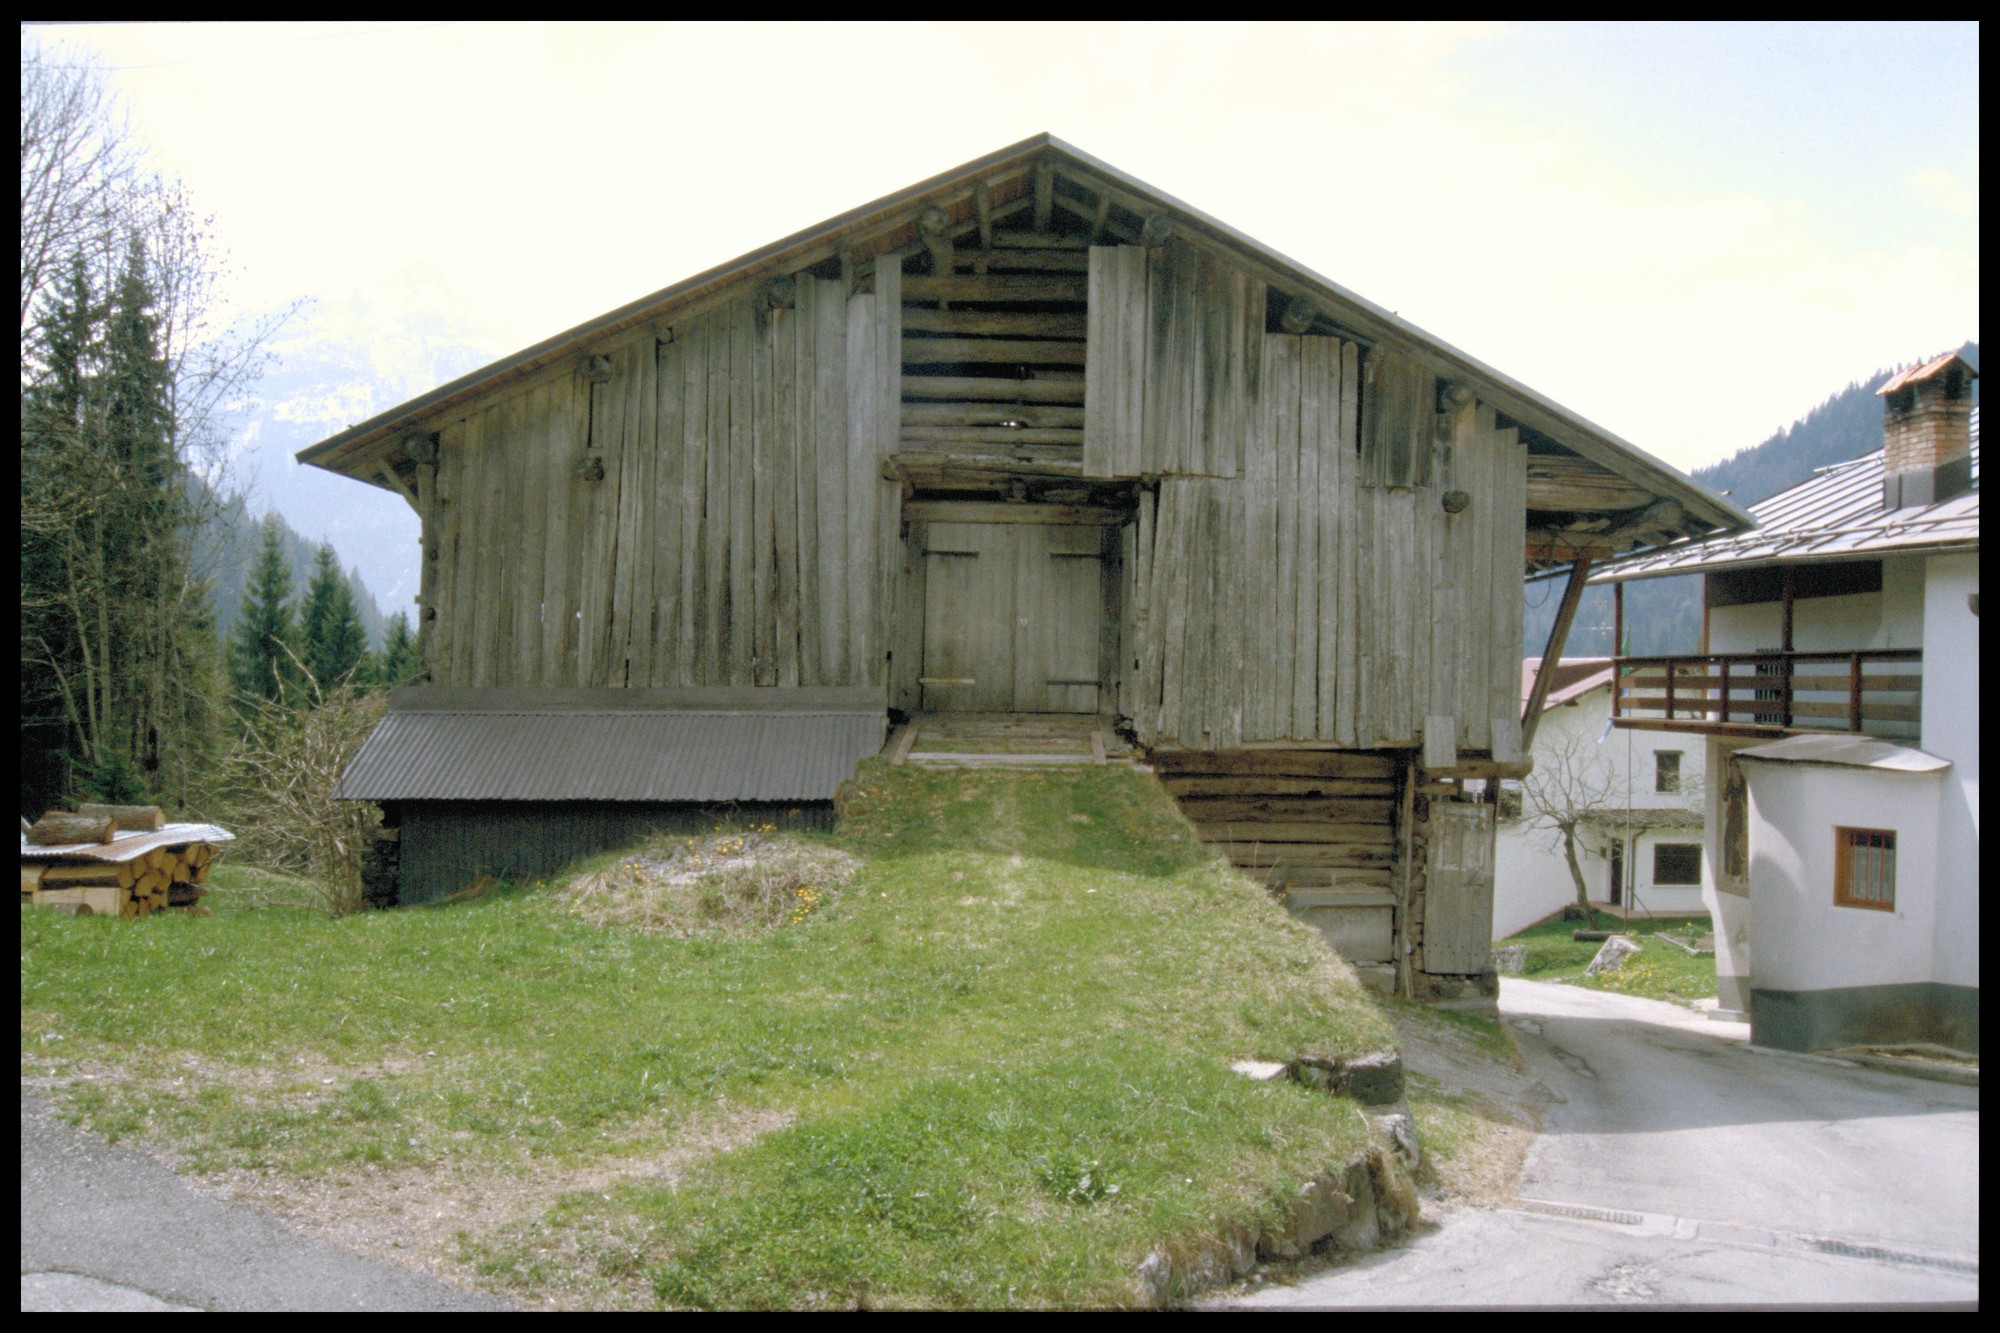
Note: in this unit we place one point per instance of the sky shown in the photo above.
(1690, 234)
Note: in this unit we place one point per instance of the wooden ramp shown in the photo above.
(1006, 740)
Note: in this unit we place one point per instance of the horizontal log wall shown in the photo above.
(1293, 818)
(695, 506)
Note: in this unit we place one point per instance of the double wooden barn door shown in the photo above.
(1015, 617)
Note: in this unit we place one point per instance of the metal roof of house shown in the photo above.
(1847, 752)
(1575, 677)
(440, 744)
(1837, 513)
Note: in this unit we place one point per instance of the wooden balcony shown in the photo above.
(1874, 693)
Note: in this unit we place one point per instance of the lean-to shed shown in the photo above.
(1033, 437)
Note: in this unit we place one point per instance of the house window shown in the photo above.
(1667, 770)
(1676, 863)
(1864, 868)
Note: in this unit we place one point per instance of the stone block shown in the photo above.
(1612, 956)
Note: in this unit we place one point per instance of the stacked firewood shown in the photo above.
(109, 879)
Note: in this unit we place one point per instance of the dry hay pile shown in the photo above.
(724, 883)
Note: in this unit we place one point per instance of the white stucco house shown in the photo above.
(1837, 696)
(1640, 849)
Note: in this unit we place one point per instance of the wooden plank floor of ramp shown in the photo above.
(1009, 740)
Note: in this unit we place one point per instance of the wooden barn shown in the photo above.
(1034, 438)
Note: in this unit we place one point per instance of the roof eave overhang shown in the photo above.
(359, 450)
(1613, 574)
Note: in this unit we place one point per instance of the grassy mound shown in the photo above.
(725, 883)
(991, 1069)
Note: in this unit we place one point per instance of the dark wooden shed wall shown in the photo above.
(446, 845)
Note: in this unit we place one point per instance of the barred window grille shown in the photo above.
(1865, 868)
(1774, 673)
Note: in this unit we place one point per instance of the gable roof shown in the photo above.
(1837, 513)
(1022, 172)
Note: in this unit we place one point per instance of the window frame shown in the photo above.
(1660, 774)
(1659, 883)
(1846, 841)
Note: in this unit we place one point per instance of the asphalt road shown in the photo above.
(106, 1228)
(1679, 1166)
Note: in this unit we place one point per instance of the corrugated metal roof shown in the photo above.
(129, 846)
(1837, 513)
(788, 750)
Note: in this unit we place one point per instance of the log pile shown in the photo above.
(122, 861)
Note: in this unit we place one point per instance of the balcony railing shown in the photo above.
(1876, 693)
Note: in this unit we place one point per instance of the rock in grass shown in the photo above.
(1613, 955)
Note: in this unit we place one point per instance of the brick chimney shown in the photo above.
(1927, 432)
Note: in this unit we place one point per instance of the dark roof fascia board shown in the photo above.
(869, 700)
(1372, 321)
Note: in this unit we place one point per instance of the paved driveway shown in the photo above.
(104, 1227)
(1678, 1165)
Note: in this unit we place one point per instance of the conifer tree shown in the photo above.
(261, 661)
(399, 653)
(330, 628)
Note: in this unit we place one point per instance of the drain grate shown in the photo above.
(1582, 1211)
(1848, 1249)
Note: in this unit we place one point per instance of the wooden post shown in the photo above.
(1673, 669)
(1617, 648)
(1854, 692)
(982, 201)
(933, 224)
(1552, 651)
(1723, 716)
(1785, 643)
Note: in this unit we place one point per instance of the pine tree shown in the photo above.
(330, 628)
(399, 653)
(59, 480)
(147, 530)
(261, 664)
(105, 528)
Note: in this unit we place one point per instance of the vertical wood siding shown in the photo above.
(1172, 363)
(711, 512)
(1295, 602)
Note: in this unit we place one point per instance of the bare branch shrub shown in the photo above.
(286, 768)
(1570, 787)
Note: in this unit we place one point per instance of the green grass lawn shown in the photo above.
(990, 1068)
(1661, 971)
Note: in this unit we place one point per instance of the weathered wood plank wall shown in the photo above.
(1309, 584)
(704, 505)
(696, 506)
(1172, 362)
